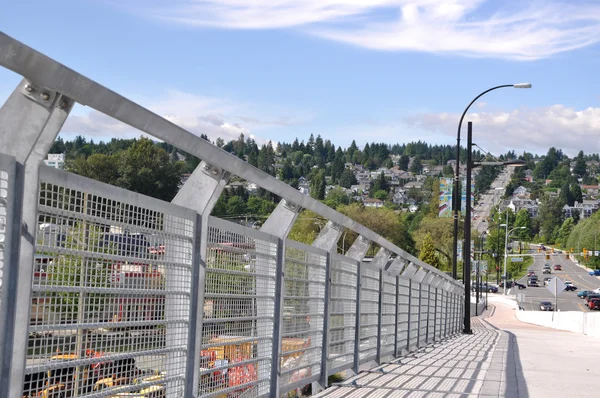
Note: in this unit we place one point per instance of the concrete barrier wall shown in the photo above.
(573, 321)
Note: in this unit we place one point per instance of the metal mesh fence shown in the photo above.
(237, 332)
(439, 314)
(369, 312)
(388, 314)
(423, 312)
(414, 316)
(303, 307)
(403, 313)
(110, 291)
(342, 314)
(431, 295)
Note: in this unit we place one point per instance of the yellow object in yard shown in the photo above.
(231, 347)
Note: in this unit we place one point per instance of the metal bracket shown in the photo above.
(291, 206)
(213, 172)
(39, 94)
(365, 240)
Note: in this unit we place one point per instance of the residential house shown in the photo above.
(591, 189)
(521, 190)
(56, 160)
(370, 202)
(517, 205)
(585, 209)
(400, 198)
(413, 184)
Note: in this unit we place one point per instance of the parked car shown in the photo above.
(584, 293)
(557, 267)
(594, 304)
(591, 297)
(546, 306)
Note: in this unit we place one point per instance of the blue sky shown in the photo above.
(379, 70)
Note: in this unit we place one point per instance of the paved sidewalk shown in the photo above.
(503, 358)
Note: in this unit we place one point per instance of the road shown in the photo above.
(567, 301)
(489, 199)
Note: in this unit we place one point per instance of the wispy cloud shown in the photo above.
(215, 117)
(479, 28)
(522, 129)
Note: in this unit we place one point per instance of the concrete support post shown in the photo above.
(29, 122)
(200, 193)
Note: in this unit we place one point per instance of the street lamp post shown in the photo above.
(455, 191)
(466, 253)
(506, 247)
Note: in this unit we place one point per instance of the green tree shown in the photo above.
(317, 185)
(347, 179)
(145, 168)
(550, 216)
(381, 195)
(427, 252)
(236, 206)
(575, 193)
(380, 184)
(403, 162)
(417, 166)
(565, 231)
(580, 168)
(523, 219)
(336, 197)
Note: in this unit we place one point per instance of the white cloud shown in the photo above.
(214, 117)
(531, 129)
(481, 28)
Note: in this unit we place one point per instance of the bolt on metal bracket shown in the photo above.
(39, 94)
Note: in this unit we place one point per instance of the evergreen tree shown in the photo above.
(427, 253)
(580, 168)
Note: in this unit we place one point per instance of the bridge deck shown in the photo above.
(503, 358)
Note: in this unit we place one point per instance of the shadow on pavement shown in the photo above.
(514, 369)
(455, 368)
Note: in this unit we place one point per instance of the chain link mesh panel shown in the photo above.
(303, 307)
(403, 313)
(342, 314)
(369, 312)
(110, 291)
(237, 331)
(388, 314)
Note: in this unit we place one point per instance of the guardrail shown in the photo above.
(104, 291)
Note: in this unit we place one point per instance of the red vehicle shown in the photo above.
(594, 304)
(557, 267)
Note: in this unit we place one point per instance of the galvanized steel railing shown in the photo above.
(106, 291)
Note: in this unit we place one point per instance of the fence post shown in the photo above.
(196, 309)
(410, 282)
(379, 318)
(357, 251)
(29, 122)
(325, 349)
(356, 347)
(279, 223)
(327, 240)
(200, 193)
(277, 322)
(397, 306)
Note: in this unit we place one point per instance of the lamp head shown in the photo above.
(503, 225)
(522, 85)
